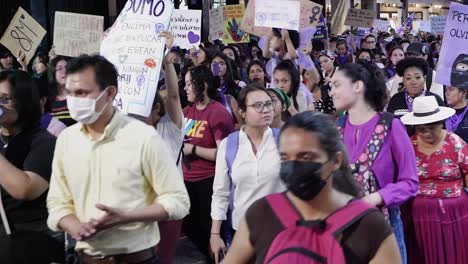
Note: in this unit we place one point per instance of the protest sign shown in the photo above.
(360, 18)
(438, 24)
(381, 25)
(322, 29)
(248, 21)
(76, 34)
(23, 35)
(186, 28)
(452, 68)
(277, 14)
(233, 33)
(133, 45)
(216, 23)
(425, 26)
(310, 14)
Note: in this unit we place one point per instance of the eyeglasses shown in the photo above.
(5, 100)
(259, 106)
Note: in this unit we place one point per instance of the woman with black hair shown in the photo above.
(342, 50)
(315, 170)
(222, 67)
(282, 103)
(287, 78)
(365, 54)
(207, 123)
(58, 100)
(257, 73)
(203, 55)
(280, 44)
(26, 153)
(413, 71)
(379, 149)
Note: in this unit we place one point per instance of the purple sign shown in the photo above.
(452, 68)
(322, 29)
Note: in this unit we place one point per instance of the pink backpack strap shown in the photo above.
(283, 209)
(348, 215)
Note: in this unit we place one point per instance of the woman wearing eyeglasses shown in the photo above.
(251, 166)
(58, 102)
(437, 219)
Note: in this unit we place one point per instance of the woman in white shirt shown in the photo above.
(255, 168)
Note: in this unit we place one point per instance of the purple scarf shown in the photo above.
(391, 71)
(342, 59)
(410, 100)
(454, 121)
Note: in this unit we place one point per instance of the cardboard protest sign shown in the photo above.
(216, 23)
(322, 29)
(452, 68)
(133, 45)
(233, 33)
(248, 21)
(438, 24)
(310, 14)
(277, 14)
(360, 18)
(23, 35)
(76, 34)
(186, 28)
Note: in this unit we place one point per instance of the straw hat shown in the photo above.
(426, 111)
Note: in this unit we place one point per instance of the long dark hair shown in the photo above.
(375, 93)
(261, 65)
(290, 67)
(324, 127)
(229, 78)
(52, 80)
(26, 96)
(201, 76)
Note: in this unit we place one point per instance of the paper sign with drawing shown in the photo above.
(186, 28)
(133, 45)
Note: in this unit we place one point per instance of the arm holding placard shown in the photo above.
(266, 49)
(289, 45)
(173, 106)
(21, 58)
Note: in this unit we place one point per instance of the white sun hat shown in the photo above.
(426, 111)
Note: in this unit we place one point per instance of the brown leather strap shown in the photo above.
(131, 258)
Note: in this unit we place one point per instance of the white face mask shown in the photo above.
(83, 110)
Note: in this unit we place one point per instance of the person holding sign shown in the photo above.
(280, 44)
(110, 191)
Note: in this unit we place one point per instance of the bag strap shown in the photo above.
(232, 146)
(283, 209)
(386, 121)
(276, 133)
(6, 225)
(348, 215)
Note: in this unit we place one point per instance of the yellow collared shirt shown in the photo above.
(127, 167)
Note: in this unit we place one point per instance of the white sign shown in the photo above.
(76, 34)
(23, 35)
(133, 45)
(216, 23)
(381, 25)
(360, 18)
(425, 26)
(186, 28)
(438, 24)
(277, 14)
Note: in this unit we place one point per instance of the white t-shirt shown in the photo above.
(172, 136)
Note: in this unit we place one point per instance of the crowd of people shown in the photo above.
(254, 157)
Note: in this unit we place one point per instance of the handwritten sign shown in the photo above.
(248, 21)
(322, 29)
(216, 23)
(186, 28)
(425, 26)
(381, 25)
(453, 59)
(360, 18)
(133, 45)
(76, 34)
(232, 30)
(277, 14)
(23, 35)
(438, 24)
(310, 14)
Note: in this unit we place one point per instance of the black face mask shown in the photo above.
(459, 75)
(303, 178)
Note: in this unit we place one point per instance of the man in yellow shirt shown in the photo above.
(112, 179)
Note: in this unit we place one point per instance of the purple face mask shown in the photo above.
(216, 68)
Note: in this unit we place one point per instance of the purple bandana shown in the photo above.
(410, 100)
(454, 121)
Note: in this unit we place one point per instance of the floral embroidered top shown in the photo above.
(441, 174)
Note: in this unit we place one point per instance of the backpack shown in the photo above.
(232, 146)
(311, 242)
(362, 168)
